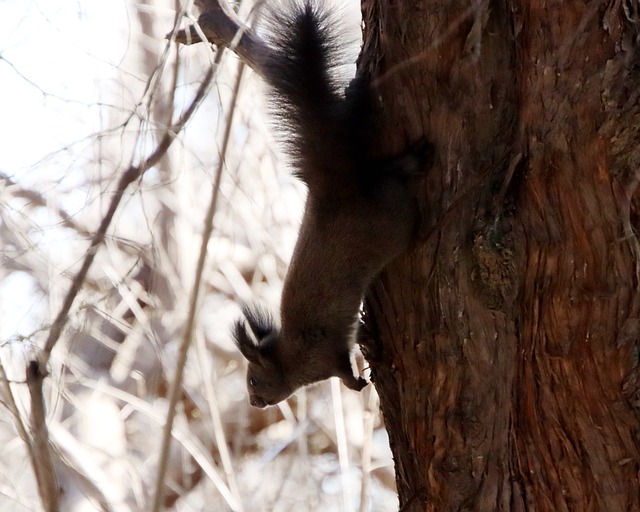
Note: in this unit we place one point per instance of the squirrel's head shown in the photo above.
(266, 380)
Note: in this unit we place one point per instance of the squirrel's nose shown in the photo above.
(256, 401)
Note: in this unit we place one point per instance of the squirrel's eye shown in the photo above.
(253, 382)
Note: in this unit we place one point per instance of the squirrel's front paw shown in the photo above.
(369, 345)
(355, 383)
(360, 383)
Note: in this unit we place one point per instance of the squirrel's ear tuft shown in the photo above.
(246, 343)
(256, 342)
(260, 321)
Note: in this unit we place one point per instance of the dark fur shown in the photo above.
(358, 215)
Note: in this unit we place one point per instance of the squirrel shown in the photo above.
(358, 214)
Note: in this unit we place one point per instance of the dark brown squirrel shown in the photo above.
(358, 215)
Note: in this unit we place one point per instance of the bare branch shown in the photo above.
(42, 462)
(36, 199)
(220, 25)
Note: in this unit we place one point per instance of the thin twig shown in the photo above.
(36, 199)
(13, 408)
(175, 391)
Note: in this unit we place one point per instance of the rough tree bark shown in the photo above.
(509, 335)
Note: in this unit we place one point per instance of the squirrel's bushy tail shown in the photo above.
(323, 127)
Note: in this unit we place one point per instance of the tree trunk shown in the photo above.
(508, 366)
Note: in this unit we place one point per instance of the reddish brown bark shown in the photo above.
(509, 367)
